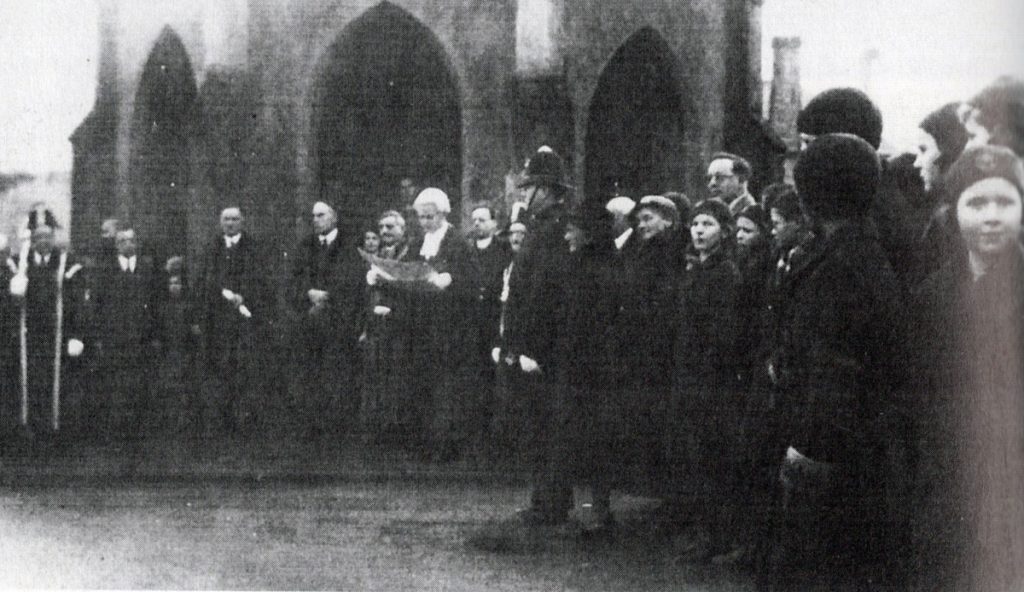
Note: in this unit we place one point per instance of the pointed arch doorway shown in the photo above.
(163, 128)
(634, 142)
(386, 108)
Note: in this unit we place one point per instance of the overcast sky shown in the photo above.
(929, 52)
(48, 53)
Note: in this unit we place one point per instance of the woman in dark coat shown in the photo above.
(589, 360)
(646, 330)
(941, 139)
(970, 527)
(706, 409)
(835, 362)
(754, 262)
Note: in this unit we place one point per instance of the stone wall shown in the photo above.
(267, 72)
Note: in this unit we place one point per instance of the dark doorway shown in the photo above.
(634, 143)
(387, 108)
(165, 111)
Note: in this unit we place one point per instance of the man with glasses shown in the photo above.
(728, 177)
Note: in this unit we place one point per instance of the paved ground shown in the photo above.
(348, 518)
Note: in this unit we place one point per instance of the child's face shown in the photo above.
(989, 215)
(706, 233)
(747, 233)
(371, 242)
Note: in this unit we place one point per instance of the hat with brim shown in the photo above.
(664, 206)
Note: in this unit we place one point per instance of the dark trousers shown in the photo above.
(123, 401)
(547, 446)
(327, 382)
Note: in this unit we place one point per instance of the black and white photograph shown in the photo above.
(512, 295)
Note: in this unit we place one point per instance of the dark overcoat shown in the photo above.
(970, 426)
(838, 358)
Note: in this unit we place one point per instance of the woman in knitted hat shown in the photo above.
(971, 373)
(706, 408)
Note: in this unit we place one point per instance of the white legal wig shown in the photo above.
(432, 196)
(620, 206)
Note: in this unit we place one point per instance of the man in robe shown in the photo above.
(47, 294)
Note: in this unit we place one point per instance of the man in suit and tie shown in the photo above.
(235, 302)
(329, 295)
(125, 299)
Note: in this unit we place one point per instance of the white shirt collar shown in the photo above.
(41, 259)
(231, 241)
(432, 242)
(329, 237)
(127, 263)
(483, 243)
(620, 241)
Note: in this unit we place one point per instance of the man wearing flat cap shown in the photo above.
(329, 294)
(47, 292)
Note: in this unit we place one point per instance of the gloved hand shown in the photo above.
(75, 348)
(19, 285)
(381, 311)
(440, 280)
(528, 365)
(496, 354)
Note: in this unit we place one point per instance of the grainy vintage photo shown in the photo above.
(503, 295)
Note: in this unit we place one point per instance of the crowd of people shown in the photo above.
(825, 382)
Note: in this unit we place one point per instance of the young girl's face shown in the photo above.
(706, 233)
(747, 233)
(989, 215)
(371, 242)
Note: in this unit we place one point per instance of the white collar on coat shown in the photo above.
(432, 241)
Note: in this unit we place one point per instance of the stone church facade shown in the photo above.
(275, 104)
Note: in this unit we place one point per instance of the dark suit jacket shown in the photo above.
(339, 271)
(243, 269)
(126, 305)
(488, 265)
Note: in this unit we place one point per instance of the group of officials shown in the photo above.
(810, 380)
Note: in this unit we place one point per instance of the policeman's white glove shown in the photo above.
(372, 277)
(75, 348)
(381, 311)
(528, 365)
(440, 280)
(317, 297)
(496, 354)
(19, 285)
